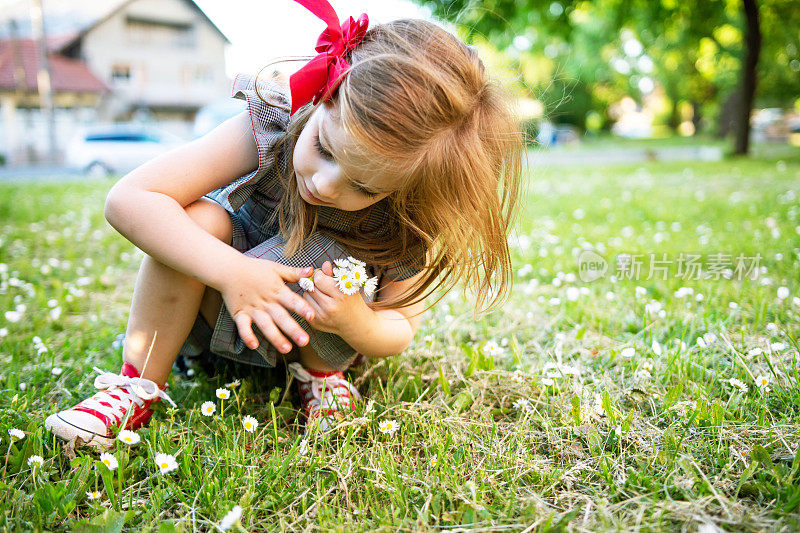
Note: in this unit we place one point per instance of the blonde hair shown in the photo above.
(420, 106)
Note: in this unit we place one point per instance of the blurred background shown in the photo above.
(99, 87)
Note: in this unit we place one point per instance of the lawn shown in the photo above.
(662, 395)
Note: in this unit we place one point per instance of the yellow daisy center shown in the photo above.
(248, 425)
(107, 462)
(164, 465)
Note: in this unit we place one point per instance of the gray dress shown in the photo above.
(250, 200)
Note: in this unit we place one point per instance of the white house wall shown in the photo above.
(163, 73)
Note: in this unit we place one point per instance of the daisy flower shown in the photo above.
(341, 273)
(347, 286)
(492, 348)
(303, 447)
(370, 285)
(547, 382)
(208, 408)
(358, 274)
(656, 348)
(165, 462)
(433, 462)
(763, 381)
(129, 437)
(234, 383)
(646, 365)
(16, 433)
(355, 262)
(223, 394)
(630, 351)
(93, 495)
(522, 404)
(109, 460)
(35, 461)
(342, 263)
(249, 423)
(307, 284)
(388, 426)
(739, 384)
(231, 518)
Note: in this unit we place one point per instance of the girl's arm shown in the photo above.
(147, 207)
(378, 333)
(387, 331)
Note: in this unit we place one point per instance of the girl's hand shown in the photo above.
(256, 293)
(334, 310)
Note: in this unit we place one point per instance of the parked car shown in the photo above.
(215, 113)
(108, 149)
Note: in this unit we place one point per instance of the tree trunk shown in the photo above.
(726, 120)
(749, 73)
(697, 116)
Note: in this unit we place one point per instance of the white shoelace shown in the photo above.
(130, 390)
(323, 389)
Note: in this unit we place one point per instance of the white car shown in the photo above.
(117, 148)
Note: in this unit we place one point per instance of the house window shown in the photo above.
(185, 38)
(121, 73)
(157, 32)
(203, 75)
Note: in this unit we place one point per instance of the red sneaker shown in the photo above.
(324, 394)
(94, 419)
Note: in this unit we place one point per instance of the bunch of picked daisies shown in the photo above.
(350, 275)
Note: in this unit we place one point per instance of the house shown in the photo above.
(143, 59)
(76, 92)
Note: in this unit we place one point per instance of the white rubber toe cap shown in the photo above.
(70, 424)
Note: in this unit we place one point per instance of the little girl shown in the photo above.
(392, 146)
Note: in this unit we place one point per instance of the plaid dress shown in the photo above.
(250, 200)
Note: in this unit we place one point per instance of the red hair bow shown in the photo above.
(317, 80)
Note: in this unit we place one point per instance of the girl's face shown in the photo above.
(326, 169)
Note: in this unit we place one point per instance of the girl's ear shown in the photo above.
(332, 109)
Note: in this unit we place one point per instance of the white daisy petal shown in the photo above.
(109, 460)
(370, 285)
(129, 437)
(231, 518)
(165, 462)
(223, 394)
(388, 426)
(249, 423)
(307, 284)
(347, 286)
(208, 408)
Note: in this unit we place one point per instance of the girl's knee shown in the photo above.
(212, 217)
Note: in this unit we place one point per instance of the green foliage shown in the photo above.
(533, 415)
(566, 50)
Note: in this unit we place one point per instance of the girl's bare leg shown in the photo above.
(310, 359)
(165, 302)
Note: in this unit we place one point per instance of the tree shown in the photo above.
(701, 52)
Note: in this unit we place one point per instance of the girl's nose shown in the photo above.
(327, 185)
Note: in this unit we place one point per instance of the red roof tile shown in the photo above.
(66, 74)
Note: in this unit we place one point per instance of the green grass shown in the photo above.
(606, 141)
(597, 443)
